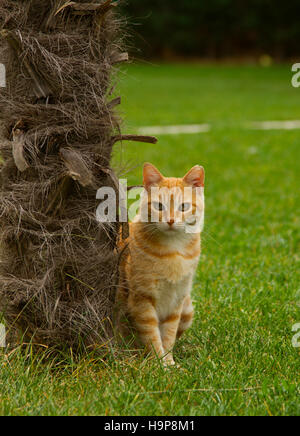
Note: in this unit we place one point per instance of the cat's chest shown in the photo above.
(169, 296)
(174, 270)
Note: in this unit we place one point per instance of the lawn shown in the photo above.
(238, 357)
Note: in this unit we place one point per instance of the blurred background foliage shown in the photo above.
(214, 29)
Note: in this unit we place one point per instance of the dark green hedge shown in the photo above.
(215, 28)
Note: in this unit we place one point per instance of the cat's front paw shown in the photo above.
(168, 361)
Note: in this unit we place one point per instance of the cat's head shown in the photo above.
(173, 205)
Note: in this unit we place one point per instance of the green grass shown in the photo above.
(238, 358)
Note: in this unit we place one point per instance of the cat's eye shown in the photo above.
(158, 206)
(184, 207)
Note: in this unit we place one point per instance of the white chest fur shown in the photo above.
(170, 295)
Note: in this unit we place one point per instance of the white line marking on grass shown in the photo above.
(175, 130)
(203, 128)
(275, 125)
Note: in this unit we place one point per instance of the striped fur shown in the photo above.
(162, 257)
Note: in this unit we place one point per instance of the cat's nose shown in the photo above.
(171, 222)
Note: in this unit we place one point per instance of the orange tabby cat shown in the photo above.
(163, 254)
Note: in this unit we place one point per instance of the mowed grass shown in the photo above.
(238, 357)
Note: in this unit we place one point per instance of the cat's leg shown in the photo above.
(187, 315)
(144, 316)
(168, 329)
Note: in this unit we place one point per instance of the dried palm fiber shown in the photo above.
(58, 265)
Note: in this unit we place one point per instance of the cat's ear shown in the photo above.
(195, 177)
(151, 175)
